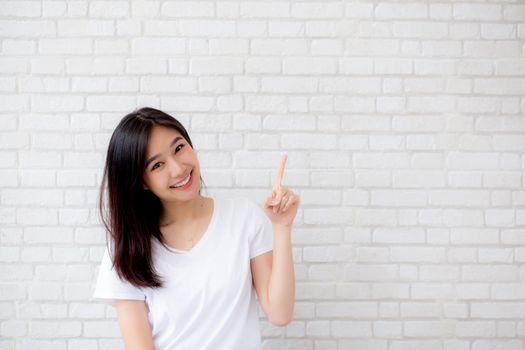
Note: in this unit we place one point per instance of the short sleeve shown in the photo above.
(110, 287)
(261, 235)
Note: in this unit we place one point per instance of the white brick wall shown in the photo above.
(405, 126)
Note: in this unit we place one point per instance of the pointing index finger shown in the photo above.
(280, 172)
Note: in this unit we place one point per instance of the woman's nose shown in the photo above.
(176, 170)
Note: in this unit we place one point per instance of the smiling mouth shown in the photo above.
(184, 182)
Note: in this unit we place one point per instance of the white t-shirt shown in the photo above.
(208, 300)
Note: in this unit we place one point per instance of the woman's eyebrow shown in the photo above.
(151, 159)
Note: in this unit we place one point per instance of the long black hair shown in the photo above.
(132, 216)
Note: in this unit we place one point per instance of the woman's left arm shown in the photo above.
(273, 272)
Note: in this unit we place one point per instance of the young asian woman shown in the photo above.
(181, 269)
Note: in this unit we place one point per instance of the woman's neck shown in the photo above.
(183, 213)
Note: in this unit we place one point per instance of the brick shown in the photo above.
(347, 103)
(466, 217)
(182, 9)
(85, 28)
(435, 104)
(385, 235)
(401, 11)
(65, 46)
(371, 272)
(445, 328)
(113, 9)
(324, 272)
(327, 254)
(355, 66)
(514, 12)
(459, 197)
(116, 103)
(27, 28)
(424, 30)
(289, 85)
(500, 217)
(368, 344)
(477, 12)
(206, 28)
(389, 104)
(168, 84)
(317, 10)
(506, 329)
(228, 46)
(309, 66)
(440, 11)
(18, 47)
(91, 84)
(216, 66)
(411, 309)
(372, 47)
(38, 84)
(489, 273)
(507, 291)
(359, 10)
(54, 8)
(129, 27)
(504, 344)
(499, 310)
(491, 48)
(314, 290)
(272, 46)
(286, 28)
(418, 178)
(429, 66)
(327, 47)
(146, 65)
(417, 254)
(8, 178)
(111, 47)
(158, 46)
(255, 142)
(11, 103)
(301, 141)
(387, 329)
(431, 291)
(20, 9)
(439, 273)
(499, 86)
(351, 329)
(371, 254)
(474, 236)
(318, 328)
(35, 159)
(390, 291)
(497, 31)
(24, 197)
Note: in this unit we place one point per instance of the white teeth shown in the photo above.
(183, 182)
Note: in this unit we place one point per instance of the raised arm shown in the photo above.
(134, 324)
(273, 272)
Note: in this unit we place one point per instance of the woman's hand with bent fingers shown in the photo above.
(281, 206)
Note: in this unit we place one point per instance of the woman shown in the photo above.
(182, 269)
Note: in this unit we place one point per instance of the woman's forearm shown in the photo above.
(281, 289)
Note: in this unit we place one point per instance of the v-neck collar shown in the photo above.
(203, 238)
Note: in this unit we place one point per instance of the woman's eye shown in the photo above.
(177, 149)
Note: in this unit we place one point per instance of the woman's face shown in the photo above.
(170, 160)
